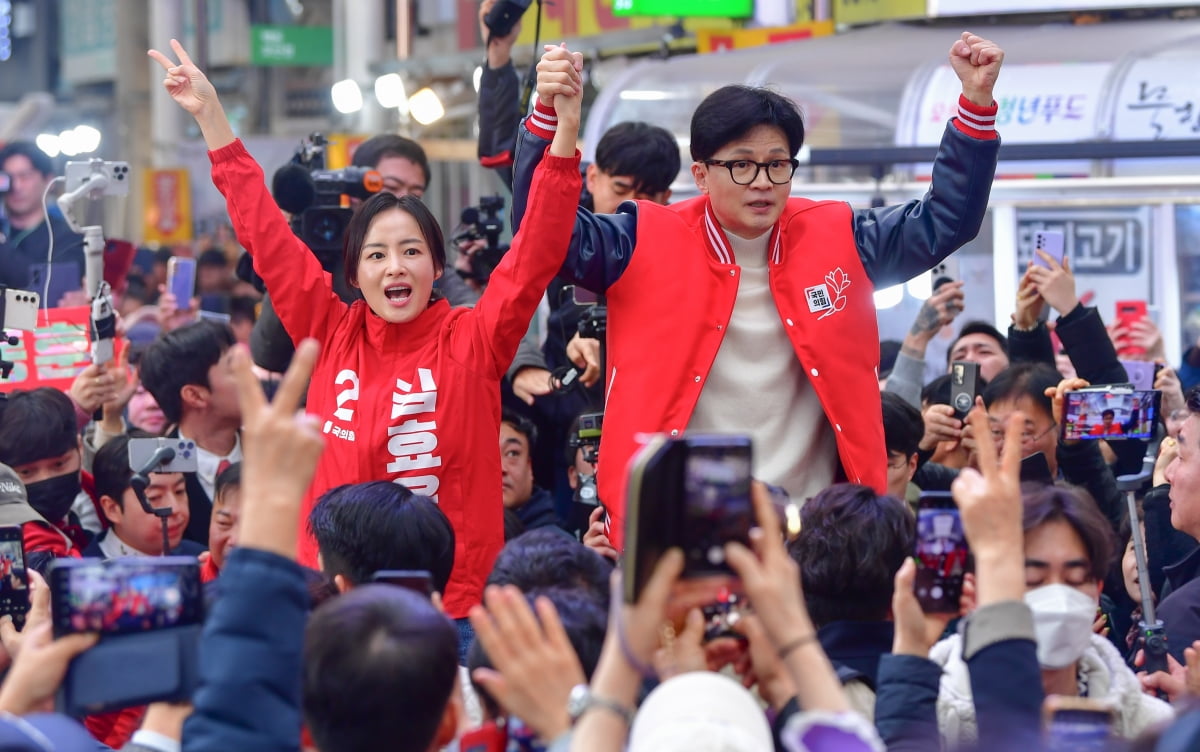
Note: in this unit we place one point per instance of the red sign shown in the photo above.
(51, 355)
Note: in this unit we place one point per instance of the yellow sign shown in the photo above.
(871, 11)
(738, 39)
(568, 19)
(167, 201)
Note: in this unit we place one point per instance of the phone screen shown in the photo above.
(941, 555)
(181, 274)
(14, 580)
(124, 595)
(717, 507)
(1110, 414)
(1079, 730)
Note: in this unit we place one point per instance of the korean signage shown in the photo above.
(167, 207)
(1052, 103)
(1109, 249)
(737, 39)
(51, 355)
(872, 11)
(1158, 100)
(988, 7)
(291, 45)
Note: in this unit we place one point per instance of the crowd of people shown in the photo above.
(381, 575)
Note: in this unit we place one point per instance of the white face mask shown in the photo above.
(1062, 621)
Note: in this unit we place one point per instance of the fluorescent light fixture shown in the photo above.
(921, 286)
(425, 106)
(647, 95)
(347, 97)
(389, 91)
(49, 143)
(889, 297)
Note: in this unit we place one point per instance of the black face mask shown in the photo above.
(52, 498)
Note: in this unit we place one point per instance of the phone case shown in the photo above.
(1051, 243)
(181, 279)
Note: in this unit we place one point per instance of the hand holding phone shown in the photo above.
(181, 280)
(965, 385)
(1051, 243)
(14, 578)
(1129, 312)
(942, 555)
(1113, 413)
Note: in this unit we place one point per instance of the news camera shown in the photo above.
(483, 222)
(313, 195)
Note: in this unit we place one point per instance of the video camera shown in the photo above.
(313, 195)
(483, 222)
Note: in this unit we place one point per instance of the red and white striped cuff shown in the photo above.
(542, 122)
(976, 121)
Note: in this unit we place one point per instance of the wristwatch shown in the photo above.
(581, 700)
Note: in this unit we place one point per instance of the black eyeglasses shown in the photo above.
(745, 172)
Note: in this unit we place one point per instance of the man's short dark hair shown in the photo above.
(521, 425)
(380, 664)
(36, 424)
(545, 559)
(212, 257)
(181, 358)
(851, 543)
(903, 426)
(585, 620)
(1023, 379)
(110, 467)
(729, 113)
(38, 158)
(978, 327)
(1077, 508)
(648, 153)
(1193, 400)
(229, 478)
(362, 528)
(370, 152)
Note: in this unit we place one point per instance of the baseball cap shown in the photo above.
(700, 711)
(44, 732)
(12, 490)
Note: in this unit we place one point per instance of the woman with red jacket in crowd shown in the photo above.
(407, 388)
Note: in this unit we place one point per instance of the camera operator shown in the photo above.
(26, 227)
(404, 169)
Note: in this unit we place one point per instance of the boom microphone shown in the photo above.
(293, 188)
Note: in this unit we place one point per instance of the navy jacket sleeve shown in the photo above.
(251, 658)
(896, 243)
(1006, 682)
(1031, 347)
(1082, 465)
(906, 692)
(499, 118)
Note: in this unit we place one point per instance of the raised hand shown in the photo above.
(186, 83)
(188, 86)
(1030, 303)
(940, 309)
(1058, 398)
(281, 446)
(559, 74)
(1056, 284)
(977, 62)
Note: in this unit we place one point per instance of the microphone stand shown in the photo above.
(139, 482)
(1151, 631)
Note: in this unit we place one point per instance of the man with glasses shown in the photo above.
(748, 310)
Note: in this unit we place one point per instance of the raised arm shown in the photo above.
(898, 242)
(302, 292)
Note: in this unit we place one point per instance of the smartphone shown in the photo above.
(181, 279)
(965, 386)
(692, 493)
(141, 451)
(126, 595)
(418, 581)
(1077, 724)
(1130, 312)
(1051, 243)
(14, 579)
(490, 737)
(582, 296)
(20, 309)
(1035, 469)
(942, 555)
(1141, 373)
(79, 173)
(1113, 412)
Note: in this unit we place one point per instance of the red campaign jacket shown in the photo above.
(415, 403)
(824, 302)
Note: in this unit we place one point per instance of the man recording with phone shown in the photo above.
(27, 226)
